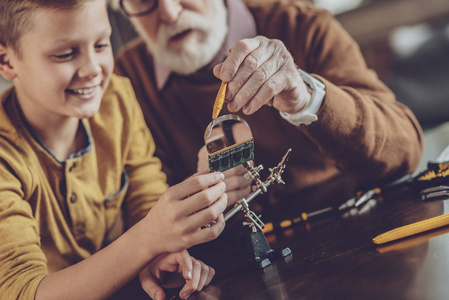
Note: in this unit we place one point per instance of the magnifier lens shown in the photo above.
(228, 130)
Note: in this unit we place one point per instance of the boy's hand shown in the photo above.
(237, 186)
(175, 222)
(172, 270)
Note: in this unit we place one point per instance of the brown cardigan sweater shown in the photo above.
(362, 132)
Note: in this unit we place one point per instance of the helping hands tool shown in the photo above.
(256, 252)
(260, 186)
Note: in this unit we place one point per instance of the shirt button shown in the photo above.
(73, 198)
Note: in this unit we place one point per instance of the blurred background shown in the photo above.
(405, 41)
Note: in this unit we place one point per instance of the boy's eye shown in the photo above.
(102, 45)
(64, 56)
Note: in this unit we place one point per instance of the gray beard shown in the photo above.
(199, 49)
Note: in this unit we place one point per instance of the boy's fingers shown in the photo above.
(210, 275)
(195, 184)
(192, 285)
(202, 199)
(185, 262)
(203, 217)
(203, 277)
(151, 286)
(209, 233)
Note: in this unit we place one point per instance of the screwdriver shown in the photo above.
(218, 104)
(269, 227)
(368, 195)
(353, 202)
(304, 217)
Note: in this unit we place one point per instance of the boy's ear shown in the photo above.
(6, 70)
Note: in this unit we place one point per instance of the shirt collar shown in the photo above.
(241, 25)
(19, 112)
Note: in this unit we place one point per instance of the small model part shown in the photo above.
(232, 156)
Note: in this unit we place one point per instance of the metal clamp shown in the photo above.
(435, 192)
(260, 187)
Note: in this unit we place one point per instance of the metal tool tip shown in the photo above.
(210, 127)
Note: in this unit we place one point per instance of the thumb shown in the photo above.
(151, 286)
(217, 70)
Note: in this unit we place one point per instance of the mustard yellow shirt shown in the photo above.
(53, 213)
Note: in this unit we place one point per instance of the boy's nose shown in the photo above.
(90, 68)
(169, 10)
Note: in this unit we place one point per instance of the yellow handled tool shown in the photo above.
(218, 105)
(219, 101)
(412, 229)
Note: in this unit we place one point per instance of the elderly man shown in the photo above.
(294, 75)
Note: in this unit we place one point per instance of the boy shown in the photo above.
(74, 152)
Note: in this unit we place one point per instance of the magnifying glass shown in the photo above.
(229, 144)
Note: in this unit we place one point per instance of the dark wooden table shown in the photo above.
(333, 256)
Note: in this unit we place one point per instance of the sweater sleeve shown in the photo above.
(22, 262)
(360, 124)
(146, 180)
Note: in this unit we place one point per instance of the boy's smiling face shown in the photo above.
(65, 63)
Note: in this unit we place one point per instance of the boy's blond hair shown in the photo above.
(16, 17)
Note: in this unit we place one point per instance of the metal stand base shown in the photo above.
(257, 252)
